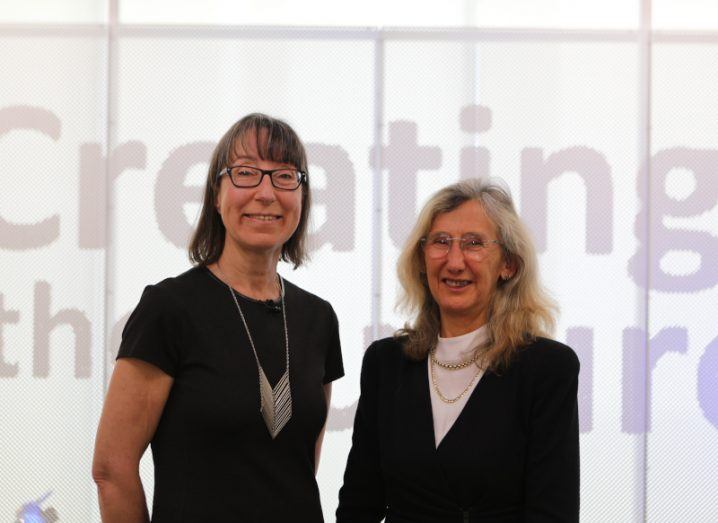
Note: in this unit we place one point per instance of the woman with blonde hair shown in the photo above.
(470, 412)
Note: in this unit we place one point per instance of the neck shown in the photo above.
(253, 274)
(453, 325)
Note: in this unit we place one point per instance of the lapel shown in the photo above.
(414, 431)
(466, 444)
(467, 414)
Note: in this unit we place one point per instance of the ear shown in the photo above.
(509, 269)
(216, 201)
(422, 261)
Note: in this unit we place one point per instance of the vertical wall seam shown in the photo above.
(377, 185)
(112, 31)
(645, 36)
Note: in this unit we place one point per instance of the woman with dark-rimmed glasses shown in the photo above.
(226, 369)
(470, 412)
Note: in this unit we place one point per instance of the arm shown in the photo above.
(133, 406)
(320, 438)
(552, 466)
(362, 498)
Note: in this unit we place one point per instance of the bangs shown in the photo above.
(273, 141)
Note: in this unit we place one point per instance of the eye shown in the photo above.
(440, 240)
(284, 176)
(244, 171)
(474, 243)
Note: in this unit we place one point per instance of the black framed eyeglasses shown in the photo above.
(438, 245)
(246, 176)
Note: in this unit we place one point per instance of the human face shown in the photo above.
(463, 287)
(258, 219)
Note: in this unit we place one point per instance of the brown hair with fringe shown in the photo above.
(275, 140)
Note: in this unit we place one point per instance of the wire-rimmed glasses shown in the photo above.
(438, 245)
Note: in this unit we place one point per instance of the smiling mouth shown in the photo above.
(456, 284)
(264, 217)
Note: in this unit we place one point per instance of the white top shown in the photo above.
(452, 382)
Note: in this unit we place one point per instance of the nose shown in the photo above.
(455, 258)
(265, 190)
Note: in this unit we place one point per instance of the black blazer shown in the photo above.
(511, 456)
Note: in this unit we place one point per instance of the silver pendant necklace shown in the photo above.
(275, 404)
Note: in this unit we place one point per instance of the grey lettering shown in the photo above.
(338, 196)
(644, 265)
(93, 187)
(44, 324)
(7, 316)
(592, 167)
(474, 161)
(640, 356)
(581, 340)
(343, 418)
(23, 236)
(707, 380)
(171, 194)
(404, 158)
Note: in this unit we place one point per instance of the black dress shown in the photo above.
(511, 455)
(214, 458)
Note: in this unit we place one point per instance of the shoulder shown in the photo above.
(546, 356)
(181, 291)
(306, 298)
(385, 354)
(310, 310)
(382, 363)
(171, 296)
(390, 348)
(188, 281)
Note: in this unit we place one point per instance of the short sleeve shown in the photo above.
(153, 331)
(333, 365)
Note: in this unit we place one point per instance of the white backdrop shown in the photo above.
(606, 134)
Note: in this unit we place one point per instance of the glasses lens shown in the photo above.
(474, 247)
(243, 176)
(437, 246)
(286, 179)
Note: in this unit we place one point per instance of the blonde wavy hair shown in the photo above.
(519, 311)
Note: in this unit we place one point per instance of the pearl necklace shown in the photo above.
(436, 386)
(452, 366)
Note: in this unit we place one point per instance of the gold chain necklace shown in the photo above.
(438, 392)
(452, 366)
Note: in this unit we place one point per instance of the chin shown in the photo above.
(457, 309)
(264, 247)
(454, 308)
(260, 244)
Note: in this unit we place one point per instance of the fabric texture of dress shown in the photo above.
(213, 456)
(511, 456)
